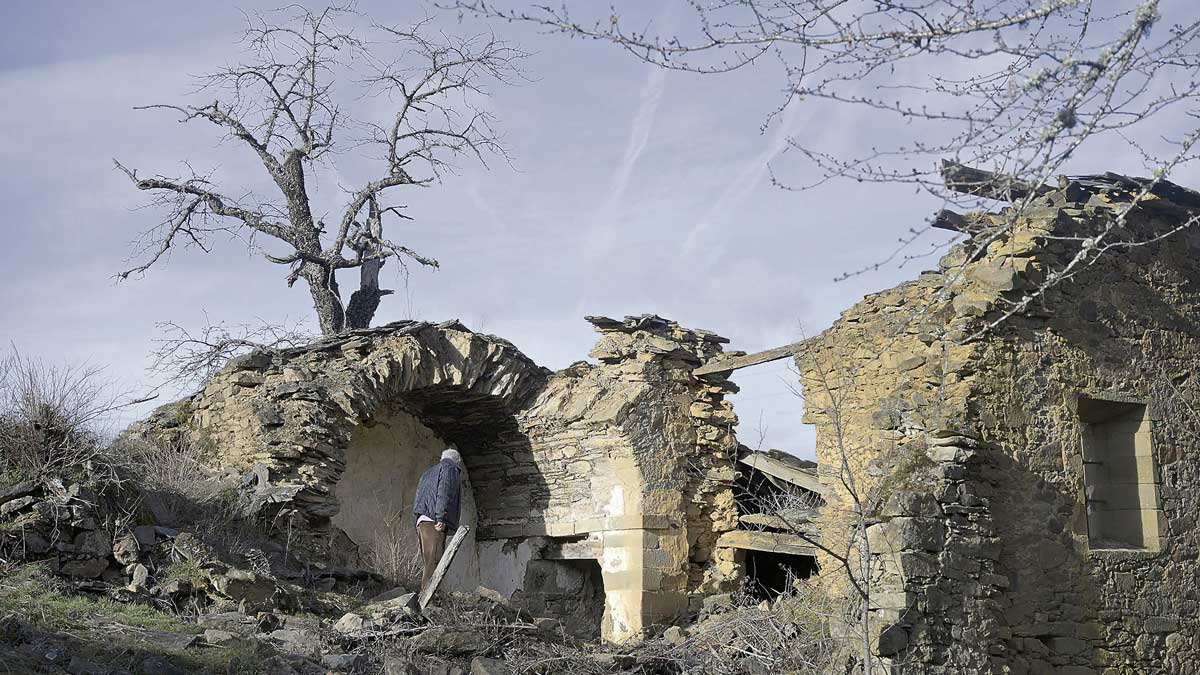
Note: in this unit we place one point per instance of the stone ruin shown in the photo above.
(599, 491)
(1031, 486)
(1027, 485)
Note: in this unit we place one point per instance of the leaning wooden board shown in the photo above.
(444, 564)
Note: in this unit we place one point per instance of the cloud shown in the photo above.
(747, 179)
(639, 135)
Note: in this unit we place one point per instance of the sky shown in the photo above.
(632, 190)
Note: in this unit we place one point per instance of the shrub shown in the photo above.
(52, 418)
(394, 553)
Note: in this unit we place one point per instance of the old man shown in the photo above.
(436, 509)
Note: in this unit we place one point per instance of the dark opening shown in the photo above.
(1119, 475)
(771, 574)
(569, 590)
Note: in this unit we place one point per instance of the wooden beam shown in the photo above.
(771, 542)
(443, 565)
(796, 520)
(949, 220)
(980, 183)
(733, 363)
(774, 467)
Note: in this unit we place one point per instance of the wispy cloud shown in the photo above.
(744, 183)
(639, 135)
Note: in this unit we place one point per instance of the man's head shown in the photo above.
(452, 455)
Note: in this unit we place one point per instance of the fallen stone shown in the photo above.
(450, 642)
(35, 543)
(127, 550)
(720, 602)
(295, 641)
(493, 596)
(138, 574)
(23, 489)
(350, 623)
(406, 604)
(176, 588)
(389, 595)
(342, 662)
(675, 635)
(94, 544)
(243, 586)
(399, 665)
(146, 535)
(481, 665)
(220, 638)
(15, 505)
(88, 568)
(228, 621)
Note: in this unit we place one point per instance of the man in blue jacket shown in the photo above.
(436, 509)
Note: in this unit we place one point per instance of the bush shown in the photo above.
(52, 418)
(394, 553)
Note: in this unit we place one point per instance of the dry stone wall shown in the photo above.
(632, 453)
(967, 447)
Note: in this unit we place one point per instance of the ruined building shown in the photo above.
(1030, 485)
(1027, 483)
(599, 491)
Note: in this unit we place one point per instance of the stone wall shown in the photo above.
(633, 453)
(967, 447)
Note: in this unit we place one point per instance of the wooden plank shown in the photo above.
(773, 467)
(949, 220)
(796, 520)
(771, 542)
(730, 364)
(443, 565)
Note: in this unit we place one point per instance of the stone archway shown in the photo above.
(622, 462)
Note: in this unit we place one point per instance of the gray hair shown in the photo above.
(452, 455)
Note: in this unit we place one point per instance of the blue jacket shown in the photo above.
(439, 493)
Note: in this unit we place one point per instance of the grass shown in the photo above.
(107, 632)
(184, 570)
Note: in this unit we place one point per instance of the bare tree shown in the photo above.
(282, 103)
(1020, 87)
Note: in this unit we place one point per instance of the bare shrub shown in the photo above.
(794, 633)
(394, 553)
(175, 485)
(172, 479)
(53, 417)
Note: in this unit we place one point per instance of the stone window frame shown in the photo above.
(1158, 542)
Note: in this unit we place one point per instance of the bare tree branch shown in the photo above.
(185, 359)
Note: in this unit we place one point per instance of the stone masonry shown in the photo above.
(1030, 487)
(630, 457)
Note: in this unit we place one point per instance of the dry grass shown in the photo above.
(394, 553)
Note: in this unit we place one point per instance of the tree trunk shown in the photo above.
(365, 300)
(326, 297)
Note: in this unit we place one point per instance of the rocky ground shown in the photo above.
(110, 577)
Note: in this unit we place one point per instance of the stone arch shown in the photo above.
(584, 464)
(295, 412)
